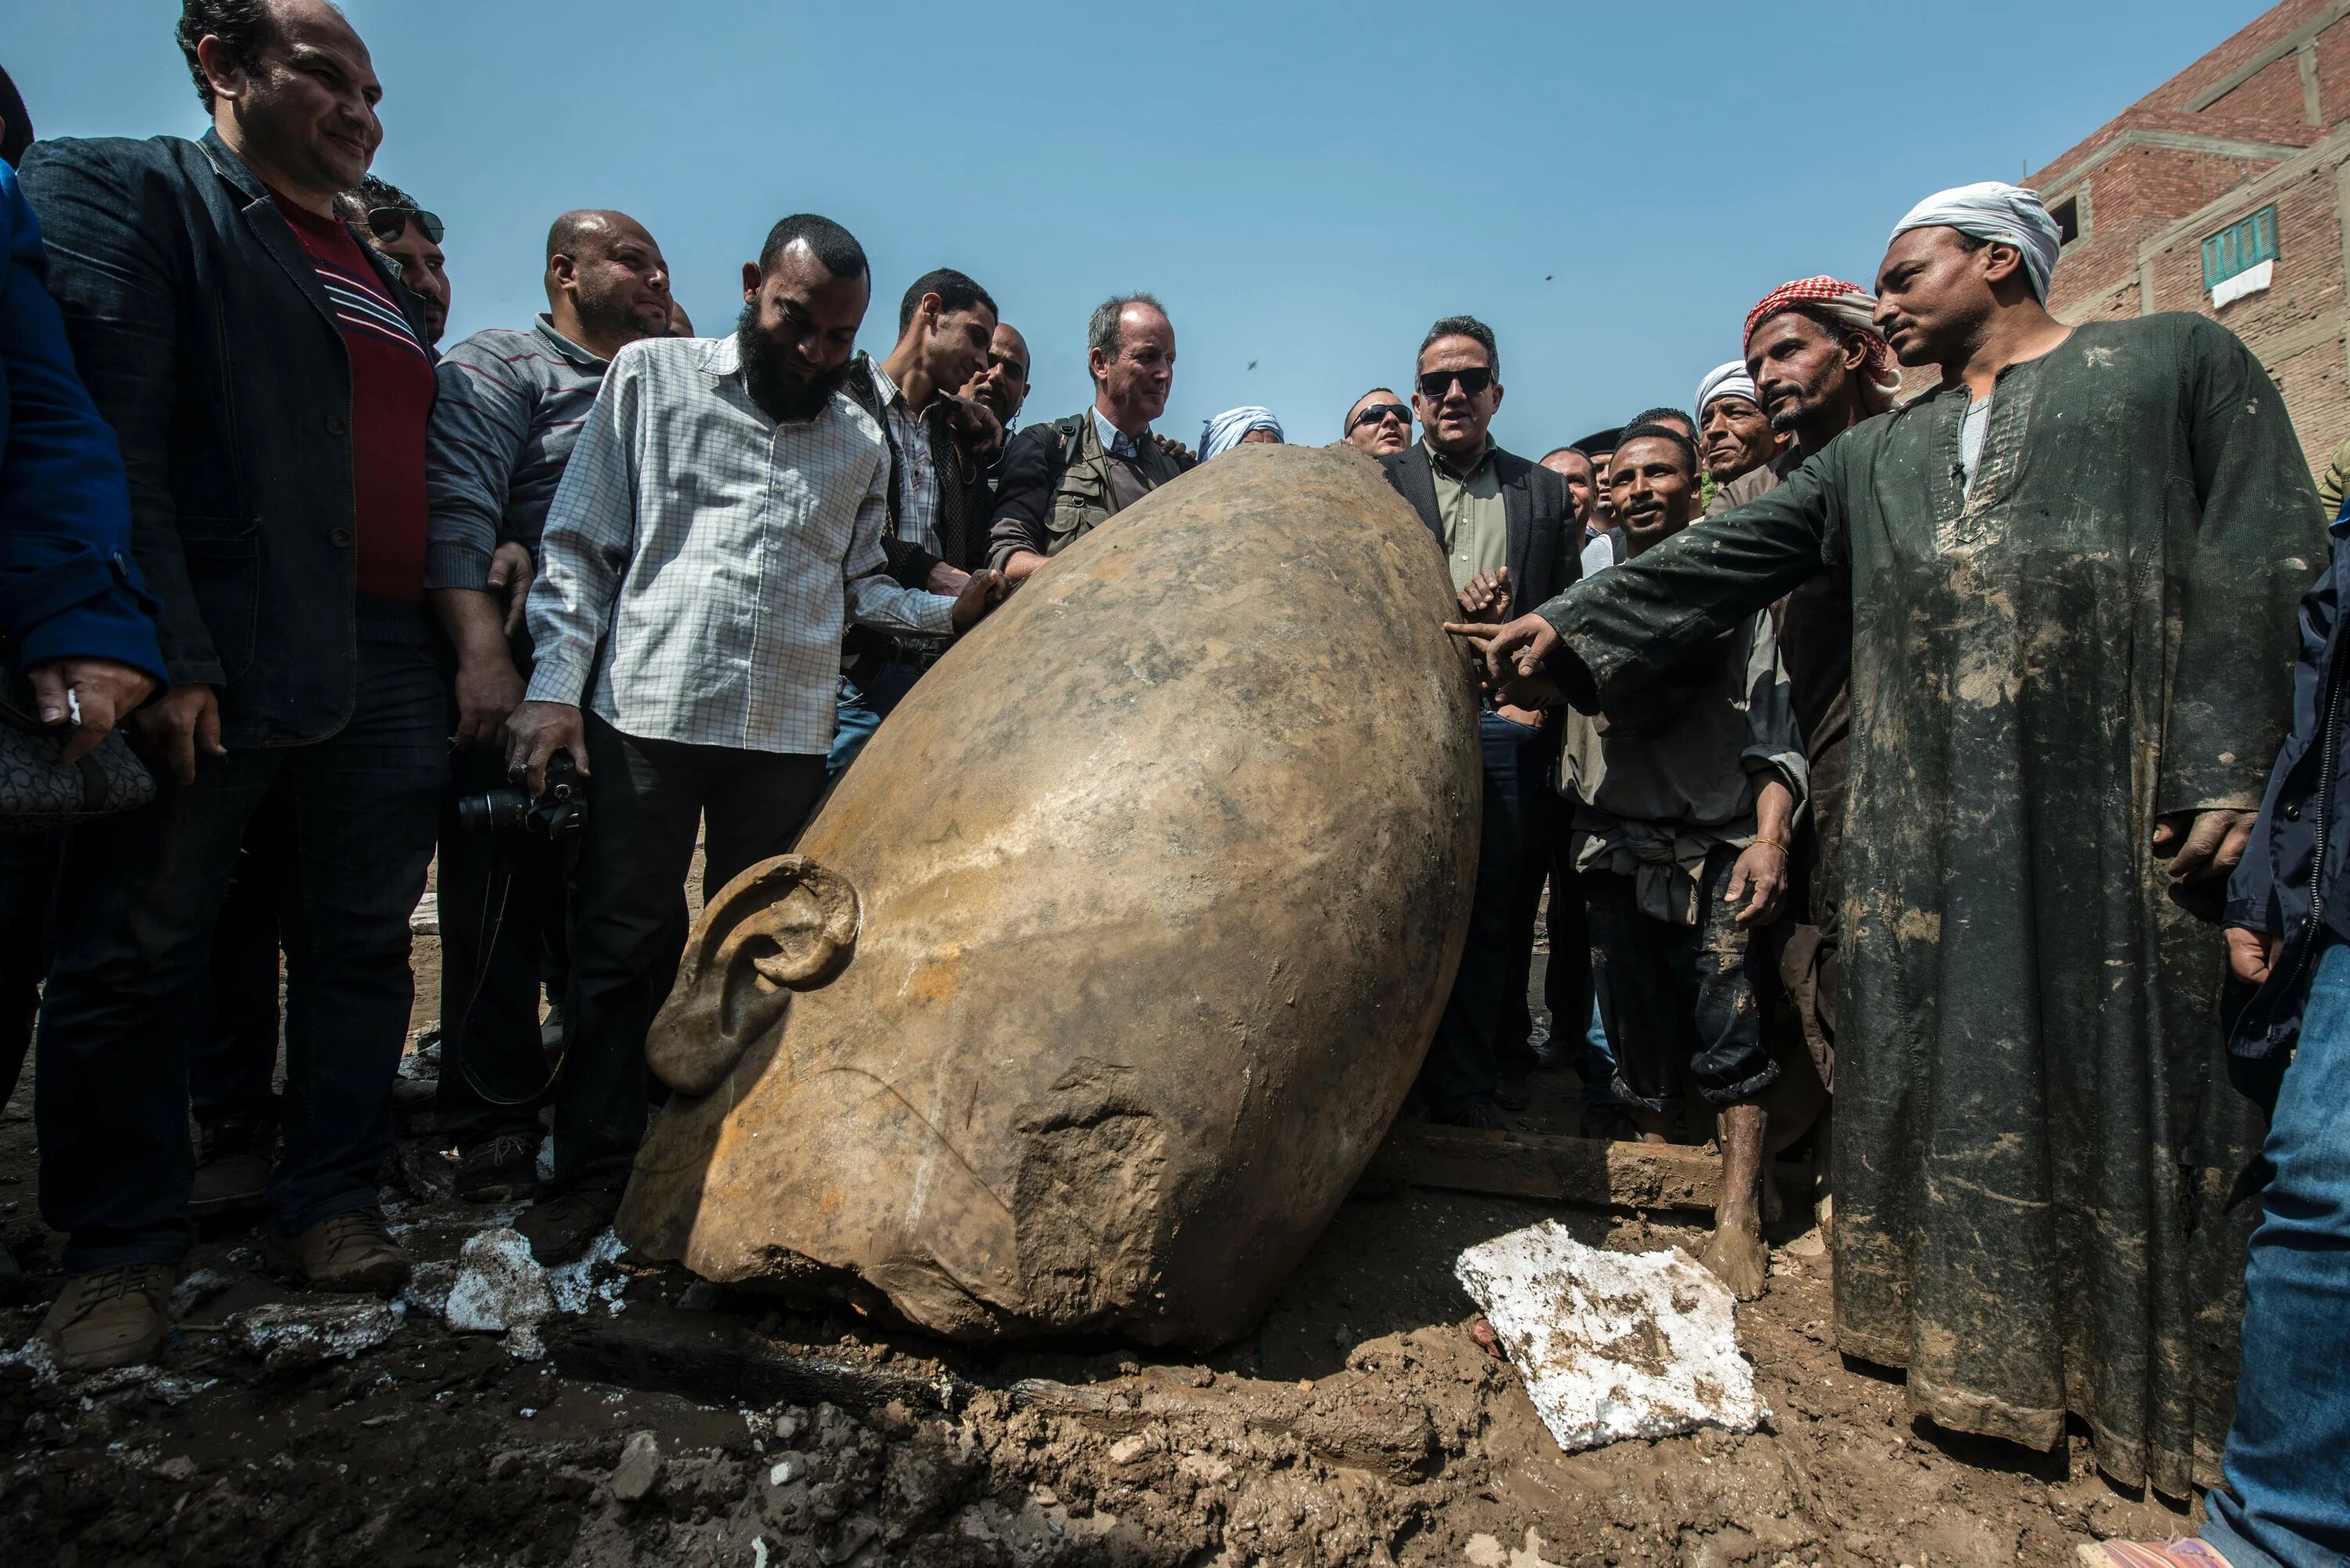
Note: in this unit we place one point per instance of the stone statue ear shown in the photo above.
(785, 925)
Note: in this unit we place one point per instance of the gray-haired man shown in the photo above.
(1064, 479)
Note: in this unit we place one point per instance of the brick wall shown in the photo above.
(2272, 94)
(2227, 136)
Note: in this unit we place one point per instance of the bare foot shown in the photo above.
(1736, 1253)
(1738, 1257)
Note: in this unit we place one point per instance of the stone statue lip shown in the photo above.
(1097, 981)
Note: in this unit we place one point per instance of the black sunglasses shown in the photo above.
(386, 222)
(1474, 379)
(1378, 411)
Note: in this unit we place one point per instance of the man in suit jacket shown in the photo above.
(1502, 522)
(268, 380)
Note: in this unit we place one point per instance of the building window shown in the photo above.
(2240, 247)
(2067, 213)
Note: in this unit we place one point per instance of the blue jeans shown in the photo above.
(2286, 1503)
(861, 707)
(1599, 1061)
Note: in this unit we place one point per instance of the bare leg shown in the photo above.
(1655, 1127)
(1736, 1252)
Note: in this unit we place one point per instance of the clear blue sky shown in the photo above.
(1305, 186)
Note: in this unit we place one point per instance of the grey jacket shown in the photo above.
(511, 405)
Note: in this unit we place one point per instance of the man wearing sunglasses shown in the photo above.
(1502, 522)
(1380, 424)
(406, 236)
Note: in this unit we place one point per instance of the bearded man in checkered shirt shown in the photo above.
(718, 529)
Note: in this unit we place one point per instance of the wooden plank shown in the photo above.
(1583, 1171)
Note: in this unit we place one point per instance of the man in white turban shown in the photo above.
(1734, 436)
(2074, 565)
(1992, 212)
(1238, 427)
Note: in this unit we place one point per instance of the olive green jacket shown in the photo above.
(1055, 487)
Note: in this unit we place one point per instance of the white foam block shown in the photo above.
(1612, 1344)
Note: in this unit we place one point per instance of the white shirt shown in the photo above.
(1970, 442)
(701, 561)
(1598, 554)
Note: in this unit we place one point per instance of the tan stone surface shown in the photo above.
(1154, 888)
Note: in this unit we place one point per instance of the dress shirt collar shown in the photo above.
(1437, 459)
(889, 390)
(1115, 442)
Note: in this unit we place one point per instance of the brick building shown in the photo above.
(2227, 190)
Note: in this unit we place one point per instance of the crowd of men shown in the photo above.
(1934, 728)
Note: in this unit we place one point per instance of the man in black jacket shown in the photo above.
(940, 445)
(1500, 521)
(268, 381)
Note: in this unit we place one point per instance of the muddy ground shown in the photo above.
(666, 1424)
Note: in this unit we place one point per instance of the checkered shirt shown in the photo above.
(701, 561)
(918, 468)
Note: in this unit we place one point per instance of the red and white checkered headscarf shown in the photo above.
(1850, 306)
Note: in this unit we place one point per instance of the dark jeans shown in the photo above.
(1540, 815)
(1681, 999)
(28, 882)
(645, 799)
(232, 1016)
(138, 902)
(2286, 1503)
(1461, 1064)
(502, 899)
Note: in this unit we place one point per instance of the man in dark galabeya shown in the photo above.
(2075, 564)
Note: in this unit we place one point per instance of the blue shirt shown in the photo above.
(69, 586)
(1115, 442)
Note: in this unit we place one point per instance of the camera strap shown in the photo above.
(488, 929)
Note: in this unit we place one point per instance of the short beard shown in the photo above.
(785, 398)
(606, 317)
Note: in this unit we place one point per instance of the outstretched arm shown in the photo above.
(1638, 619)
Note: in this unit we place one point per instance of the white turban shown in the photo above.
(1729, 380)
(1223, 432)
(1994, 211)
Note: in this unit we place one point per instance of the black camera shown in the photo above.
(556, 815)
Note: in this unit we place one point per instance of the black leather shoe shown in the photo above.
(559, 1228)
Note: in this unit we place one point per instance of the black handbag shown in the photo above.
(39, 793)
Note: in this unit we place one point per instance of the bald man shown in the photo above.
(511, 403)
(1003, 382)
